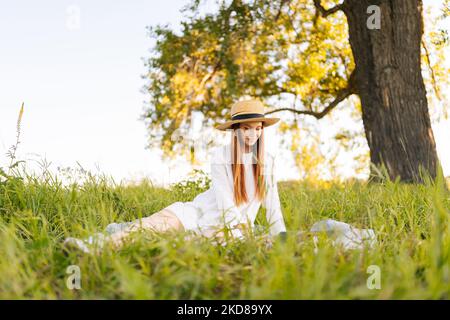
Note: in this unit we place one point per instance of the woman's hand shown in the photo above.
(242, 226)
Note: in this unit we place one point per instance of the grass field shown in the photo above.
(37, 213)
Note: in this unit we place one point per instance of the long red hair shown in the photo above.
(237, 167)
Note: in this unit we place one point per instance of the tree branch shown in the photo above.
(282, 2)
(326, 12)
(340, 96)
(433, 76)
(208, 76)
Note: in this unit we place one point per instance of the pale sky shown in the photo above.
(77, 66)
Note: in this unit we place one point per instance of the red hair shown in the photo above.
(237, 167)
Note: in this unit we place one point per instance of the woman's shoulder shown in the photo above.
(269, 158)
(218, 154)
(270, 163)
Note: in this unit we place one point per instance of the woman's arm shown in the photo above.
(274, 214)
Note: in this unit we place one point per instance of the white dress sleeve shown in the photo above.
(272, 201)
(223, 190)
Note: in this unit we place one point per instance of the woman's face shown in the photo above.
(251, 132)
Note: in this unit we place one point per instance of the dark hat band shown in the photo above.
(248, 116)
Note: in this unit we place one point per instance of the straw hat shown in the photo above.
(246, 111)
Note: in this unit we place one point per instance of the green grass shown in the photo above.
(37, 213)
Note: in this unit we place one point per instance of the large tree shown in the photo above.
(318, 52)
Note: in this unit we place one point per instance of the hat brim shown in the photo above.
(266, 122)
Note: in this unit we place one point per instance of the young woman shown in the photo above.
(243, 179)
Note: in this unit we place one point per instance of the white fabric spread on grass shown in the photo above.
(345, 235)
(340, 233)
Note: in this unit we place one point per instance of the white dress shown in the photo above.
(215, 207)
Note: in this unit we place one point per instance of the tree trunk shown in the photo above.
(390, 84)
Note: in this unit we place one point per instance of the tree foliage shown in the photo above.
(294, 55)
